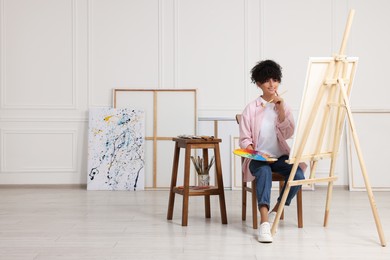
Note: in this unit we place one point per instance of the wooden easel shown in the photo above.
(338, 89)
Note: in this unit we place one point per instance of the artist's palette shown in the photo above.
(254, 155)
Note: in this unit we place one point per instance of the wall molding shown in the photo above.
(160, 44)
(89, 53)
(2, 54)
(3, 92)
(175, 43)
(45, 119)
(9, 131)
(160, 52)
(246, 49)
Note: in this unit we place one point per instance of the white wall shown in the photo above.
(60, 57)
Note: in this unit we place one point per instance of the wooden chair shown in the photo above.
(275, 177)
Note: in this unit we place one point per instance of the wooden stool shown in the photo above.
(186, 191)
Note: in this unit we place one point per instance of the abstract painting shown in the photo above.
(116, 149)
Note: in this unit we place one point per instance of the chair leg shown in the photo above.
(299, 209)
(244, 200)
(254, 205)
(281, 184)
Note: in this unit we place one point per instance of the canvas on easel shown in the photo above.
(318, 69)
(324, 108)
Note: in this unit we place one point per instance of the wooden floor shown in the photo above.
(78, 224)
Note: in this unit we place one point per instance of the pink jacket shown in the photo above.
(250, 123)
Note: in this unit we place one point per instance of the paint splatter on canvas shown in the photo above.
(116, 149)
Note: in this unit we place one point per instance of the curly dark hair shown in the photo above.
(265, 70)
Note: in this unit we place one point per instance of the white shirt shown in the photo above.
(268, 142)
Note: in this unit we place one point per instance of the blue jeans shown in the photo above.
(263, 173)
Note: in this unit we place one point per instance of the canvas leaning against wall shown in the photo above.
(116, 149)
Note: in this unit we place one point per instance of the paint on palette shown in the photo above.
(254, 155)
(116, 149)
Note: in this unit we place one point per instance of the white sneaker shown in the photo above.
(265, 233)
(271, 217)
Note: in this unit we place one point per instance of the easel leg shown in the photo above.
(284, 198)
(369, 190)
(330, 190)
(363, 166)
(280, 209)
(328, 199)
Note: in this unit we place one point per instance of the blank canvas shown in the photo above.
(320, 70)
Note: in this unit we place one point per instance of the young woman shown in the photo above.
(266, 124)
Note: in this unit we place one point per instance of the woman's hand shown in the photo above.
(277, 100)
(250, 147)
(279, 107)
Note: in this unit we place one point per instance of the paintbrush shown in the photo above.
(264, 104)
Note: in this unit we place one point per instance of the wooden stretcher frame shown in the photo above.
(152, 101)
